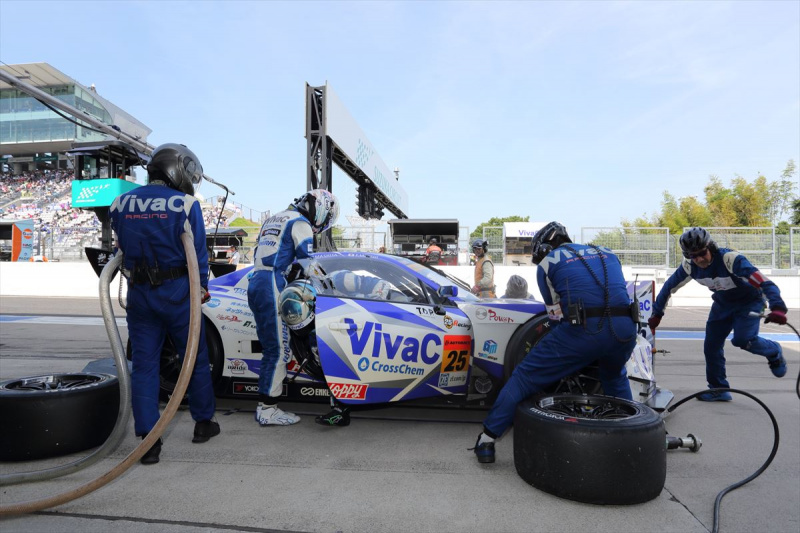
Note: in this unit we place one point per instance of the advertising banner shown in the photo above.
(22, 240)
(99, 192)
(350, 138)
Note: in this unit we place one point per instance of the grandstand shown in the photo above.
(61, 232)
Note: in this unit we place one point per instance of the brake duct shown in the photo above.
(195, 317)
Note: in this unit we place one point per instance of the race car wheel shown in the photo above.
(56, 414)
(584, 382)
(171, 362)
(589, 448)
(522, 341)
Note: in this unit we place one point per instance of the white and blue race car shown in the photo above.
(385, 329)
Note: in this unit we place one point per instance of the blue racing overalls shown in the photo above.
(564, 278)
(738, 289)
(149, 222)
(284, 237)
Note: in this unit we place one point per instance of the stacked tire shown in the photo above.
(591, 448)
(57, 414)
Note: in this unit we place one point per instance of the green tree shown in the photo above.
(758, 203)
(496, 221)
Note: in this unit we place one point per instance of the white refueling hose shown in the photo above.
(195, 317)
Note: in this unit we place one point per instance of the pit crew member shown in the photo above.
(738, 289)
(585, 291)
(284, 237)
(149, 222)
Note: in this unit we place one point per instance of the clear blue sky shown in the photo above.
(583, 112)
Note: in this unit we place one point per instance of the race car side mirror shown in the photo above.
(447, 291)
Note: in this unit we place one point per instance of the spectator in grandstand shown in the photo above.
(158, 291)
(233, 255)
(283, 238)
(484, 270)
(739, 289)
(517, 287)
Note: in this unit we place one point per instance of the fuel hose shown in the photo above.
(166, 417)
(123, 415)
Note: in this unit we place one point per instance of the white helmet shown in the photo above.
(297, 304)
(320, 207)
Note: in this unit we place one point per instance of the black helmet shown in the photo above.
(546, 239)
(433, 241)
(695, 240)
(175, 165)
(480, 243)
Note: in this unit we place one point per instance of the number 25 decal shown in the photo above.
(455, 361)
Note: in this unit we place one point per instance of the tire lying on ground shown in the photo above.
(590, 448)
(56, 414)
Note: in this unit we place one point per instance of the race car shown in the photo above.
(379, 328)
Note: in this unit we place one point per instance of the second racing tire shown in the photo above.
(590, 448)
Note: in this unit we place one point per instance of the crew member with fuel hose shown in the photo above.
(586, 294)
(284, 238)
(149, 222)
(739, 289)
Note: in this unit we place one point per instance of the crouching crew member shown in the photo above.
(149, 222)
(284, 237)
(738, 289)
(585, 291)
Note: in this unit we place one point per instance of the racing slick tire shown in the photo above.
(171, 363)
(590, 448)
(57, 414)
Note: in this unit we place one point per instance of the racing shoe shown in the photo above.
(151, 457)
(204, 430)
(336, 417)
(715, 396)
(778, 364)
(275, 416)
(485, 451)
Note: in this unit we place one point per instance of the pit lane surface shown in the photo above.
(382, 475)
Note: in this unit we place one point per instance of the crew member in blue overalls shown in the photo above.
(149, 222)
(586, 294)
(284, 238)
(738, 290)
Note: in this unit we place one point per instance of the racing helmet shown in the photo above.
(177, 166)
(551, 236)
(433, 241)
(297, 305)
(517, 287)
(480, 243)
(695, 240)
(320, 207)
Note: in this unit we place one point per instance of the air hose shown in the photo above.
(761, 469)
(182, 384)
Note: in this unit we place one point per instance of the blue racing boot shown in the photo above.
(485, 451)
(778, 364)
(715, 396)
